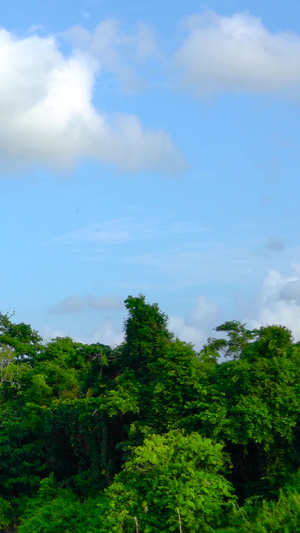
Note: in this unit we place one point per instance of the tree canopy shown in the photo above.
(152, 435)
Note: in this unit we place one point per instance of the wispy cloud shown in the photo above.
(116, 50)
(128, 229)
(237, 54)
(225, 259)
(116, 231)
(214, 264)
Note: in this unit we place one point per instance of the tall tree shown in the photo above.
(146, 335)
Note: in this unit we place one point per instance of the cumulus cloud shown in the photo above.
(77, 304)
(198, 325)
(279, 301)
(237, 53)
(47, 115)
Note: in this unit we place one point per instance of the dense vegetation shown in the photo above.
(149, 437)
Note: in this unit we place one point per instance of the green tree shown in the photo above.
(262, 392)
(146, 335)
(169, 478)
(176, 384)
(238, 338)
(56, 510)
(25, 341)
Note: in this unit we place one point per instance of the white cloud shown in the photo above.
(276, 303)
(186, 332)
(47, 115)
(106, 333)
(279, 301)
(78, 304)
(237, 53)
(197, 327)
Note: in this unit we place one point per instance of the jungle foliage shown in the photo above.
(151, 436)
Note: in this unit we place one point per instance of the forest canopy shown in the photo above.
(150, 436)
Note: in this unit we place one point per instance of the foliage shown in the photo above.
(6, 513)
(261, 516)
(146, 334)
(238, 339)
(150, 435)
(60, 511)
(176, 385)
(168, 473)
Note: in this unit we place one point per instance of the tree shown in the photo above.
(263, 407)
(10, 370)
(146, 335)
(170, 477)
(176, 379)
(238, 339)
(24, 340)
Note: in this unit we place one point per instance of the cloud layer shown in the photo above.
(47, 115)
(237, 53)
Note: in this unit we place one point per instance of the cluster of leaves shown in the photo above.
(150, 436)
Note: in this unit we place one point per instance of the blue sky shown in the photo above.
(149, 147)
